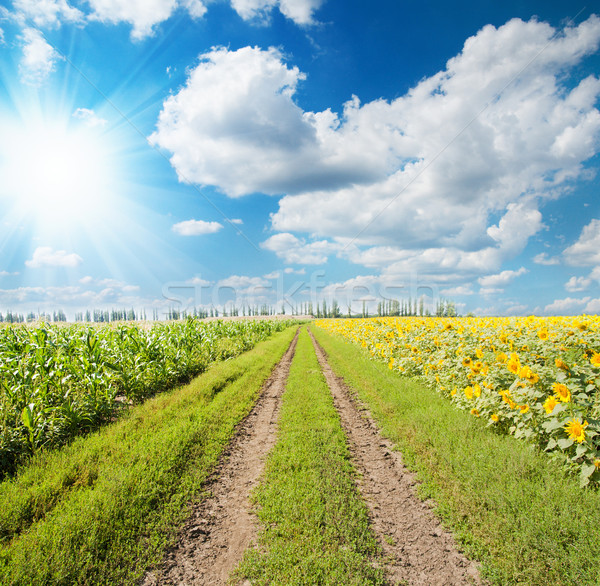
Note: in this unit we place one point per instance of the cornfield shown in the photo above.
(59, 381)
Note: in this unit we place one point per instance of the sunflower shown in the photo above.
(513, 366)
(560, 364)
(576, 430)
(561, 392)
(549, 404)
(529, 375)
(494, 417)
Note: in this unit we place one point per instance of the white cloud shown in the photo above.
(586, 251)
(291, 271)
(86, 280)
(460, 290)
(300, 11)
(593, 307)
(236, 221)
(244, 285)
(273, 275)
(45, 256)
(47, 13)
(446, 179)
(296, 251)
(143, 15)
(501, 279)
(488, 291)
(198, 281)
(196, 227)
(567, 306)
(543, 259)
(515, 309)
(196, 8)
(39, 58)
(595, 274)
(89, 117)
(575, 284)
(235, 125)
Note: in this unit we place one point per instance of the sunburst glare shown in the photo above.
(56, 172)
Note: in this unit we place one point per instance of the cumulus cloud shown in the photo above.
(575, 284)
(245, 286)
(567, 306)
(300, 11)
(47, 13)
(593, 307)
(39, 58)
(45, 256)
(235, 125)
(142, 15)
(297, 251)
(196, 227)
(460, 290)
(198, 281)
(89, 117)
(501, 279)
(543, 259)
(586, 251)
(446, 180)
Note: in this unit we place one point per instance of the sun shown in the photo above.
(55, 172)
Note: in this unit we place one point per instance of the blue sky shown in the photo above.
(165, 153)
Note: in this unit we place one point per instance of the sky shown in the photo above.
(211, 153)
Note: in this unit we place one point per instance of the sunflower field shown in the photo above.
(535, 378)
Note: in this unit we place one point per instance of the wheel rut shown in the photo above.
(221, 527)
(417, 549)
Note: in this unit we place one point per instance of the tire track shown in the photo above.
(417, 549)
(221, 527)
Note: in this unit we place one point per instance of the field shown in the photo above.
(375, 451)
(535, 378)
(57, 382)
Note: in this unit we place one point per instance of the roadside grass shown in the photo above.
(104, 508)
(509, 506)
(315, 527)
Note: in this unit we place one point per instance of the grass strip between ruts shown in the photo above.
(104, 508)
(315, 527)
(510, 506)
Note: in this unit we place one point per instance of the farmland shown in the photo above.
(535, 378)
(354, 456)
(59, 381)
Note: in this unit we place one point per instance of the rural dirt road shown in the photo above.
(417, 549)
(220, 529)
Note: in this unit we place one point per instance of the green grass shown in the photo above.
(510, 506)
(315, 525)
(104, 508)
